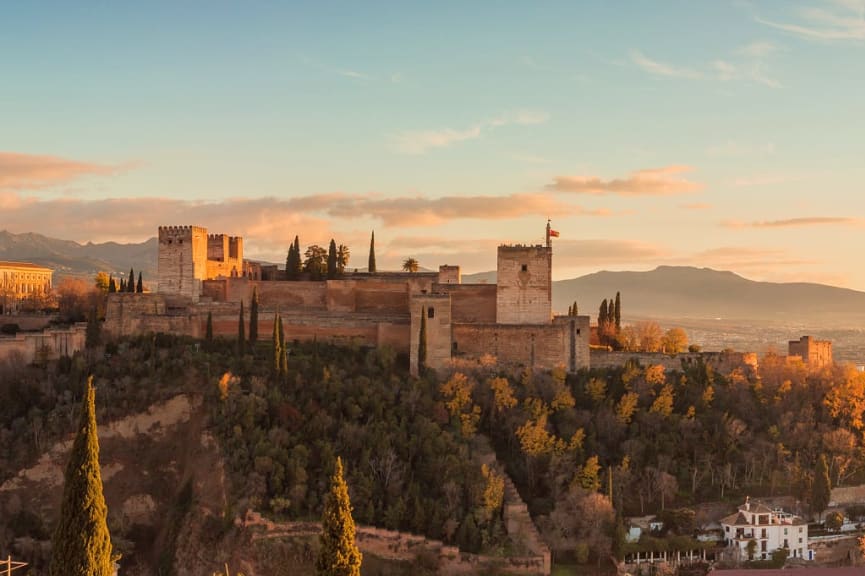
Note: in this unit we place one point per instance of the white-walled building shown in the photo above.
(770, 529)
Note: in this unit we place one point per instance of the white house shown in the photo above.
(770, 529)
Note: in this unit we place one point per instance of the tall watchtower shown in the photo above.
(524, 283)
(182, 264)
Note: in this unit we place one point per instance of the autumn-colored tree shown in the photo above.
(82, 545)
(102, 281)
(338, 554)
(675, 341)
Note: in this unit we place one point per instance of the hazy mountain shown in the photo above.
(70, 258)
(688, 292)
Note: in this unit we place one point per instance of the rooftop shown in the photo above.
(29, 265)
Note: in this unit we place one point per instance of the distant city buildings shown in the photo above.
(20, 281)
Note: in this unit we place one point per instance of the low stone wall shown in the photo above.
(49, 344)
(392, 545)
(723, 362)
(847, 496)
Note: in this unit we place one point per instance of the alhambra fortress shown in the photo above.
(203, 274)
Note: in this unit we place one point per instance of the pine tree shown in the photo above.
(112, 285)
(338, 555)
(130, 283)
(208, 331)
(617, 312)
(371, 265)
(821, 493)
(331, 260)
(82, 545)
(253, 317)
(421, 345)
(140, 287)
(241, 333)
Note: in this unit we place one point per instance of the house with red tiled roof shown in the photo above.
(769, 529)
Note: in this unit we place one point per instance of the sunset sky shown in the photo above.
(726, 134)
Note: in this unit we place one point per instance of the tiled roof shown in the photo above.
(735, 519)
(7, 264)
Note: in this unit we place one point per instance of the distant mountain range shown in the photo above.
(70, 258)
(703, 293)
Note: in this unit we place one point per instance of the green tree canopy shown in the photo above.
(82, 544)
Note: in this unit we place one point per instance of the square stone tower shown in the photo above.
(182, 264)
(436, 312)
(524, 285)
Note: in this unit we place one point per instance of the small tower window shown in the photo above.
(430, 312)
(524, 267)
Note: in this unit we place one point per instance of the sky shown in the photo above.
(722, 134)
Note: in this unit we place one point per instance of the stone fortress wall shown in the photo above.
(203, 274)
(815, 353)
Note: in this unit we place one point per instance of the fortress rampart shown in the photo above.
(201, 274)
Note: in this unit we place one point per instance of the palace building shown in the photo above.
(19, 281)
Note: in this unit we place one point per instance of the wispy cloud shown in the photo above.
(651, 182)
(422, 141)
(352, 74)
(750, 62)
(796, 222)
(34, 172)
(661, 68)
(834, 20)
(696, 206)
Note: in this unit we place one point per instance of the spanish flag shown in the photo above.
(554, 233)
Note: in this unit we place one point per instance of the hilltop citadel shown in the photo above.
(201, 274)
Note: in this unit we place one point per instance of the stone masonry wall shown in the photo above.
(470, 303)
(524, 285)
(537, 346)
(48, 344)
(436, 309)
(182, 261)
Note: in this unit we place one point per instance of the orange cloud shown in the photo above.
(30, 172)
(795, 222)
(651, 182)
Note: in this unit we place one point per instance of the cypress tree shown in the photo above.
(93, 333)
(617, 314)
(283, 358)
(277, 343)
(122, 285)
(130, 283)
(140, 287)
(241, 332)
(421, 344)
(288, 261)
(602, 314)
(338, 555)
(821, 493)
(253, 317)
(371, 265)
(112, 285)
(576, 311)
(297, 265)
(208, 331)
(570, 311)
(82, 545)
(331, 260)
